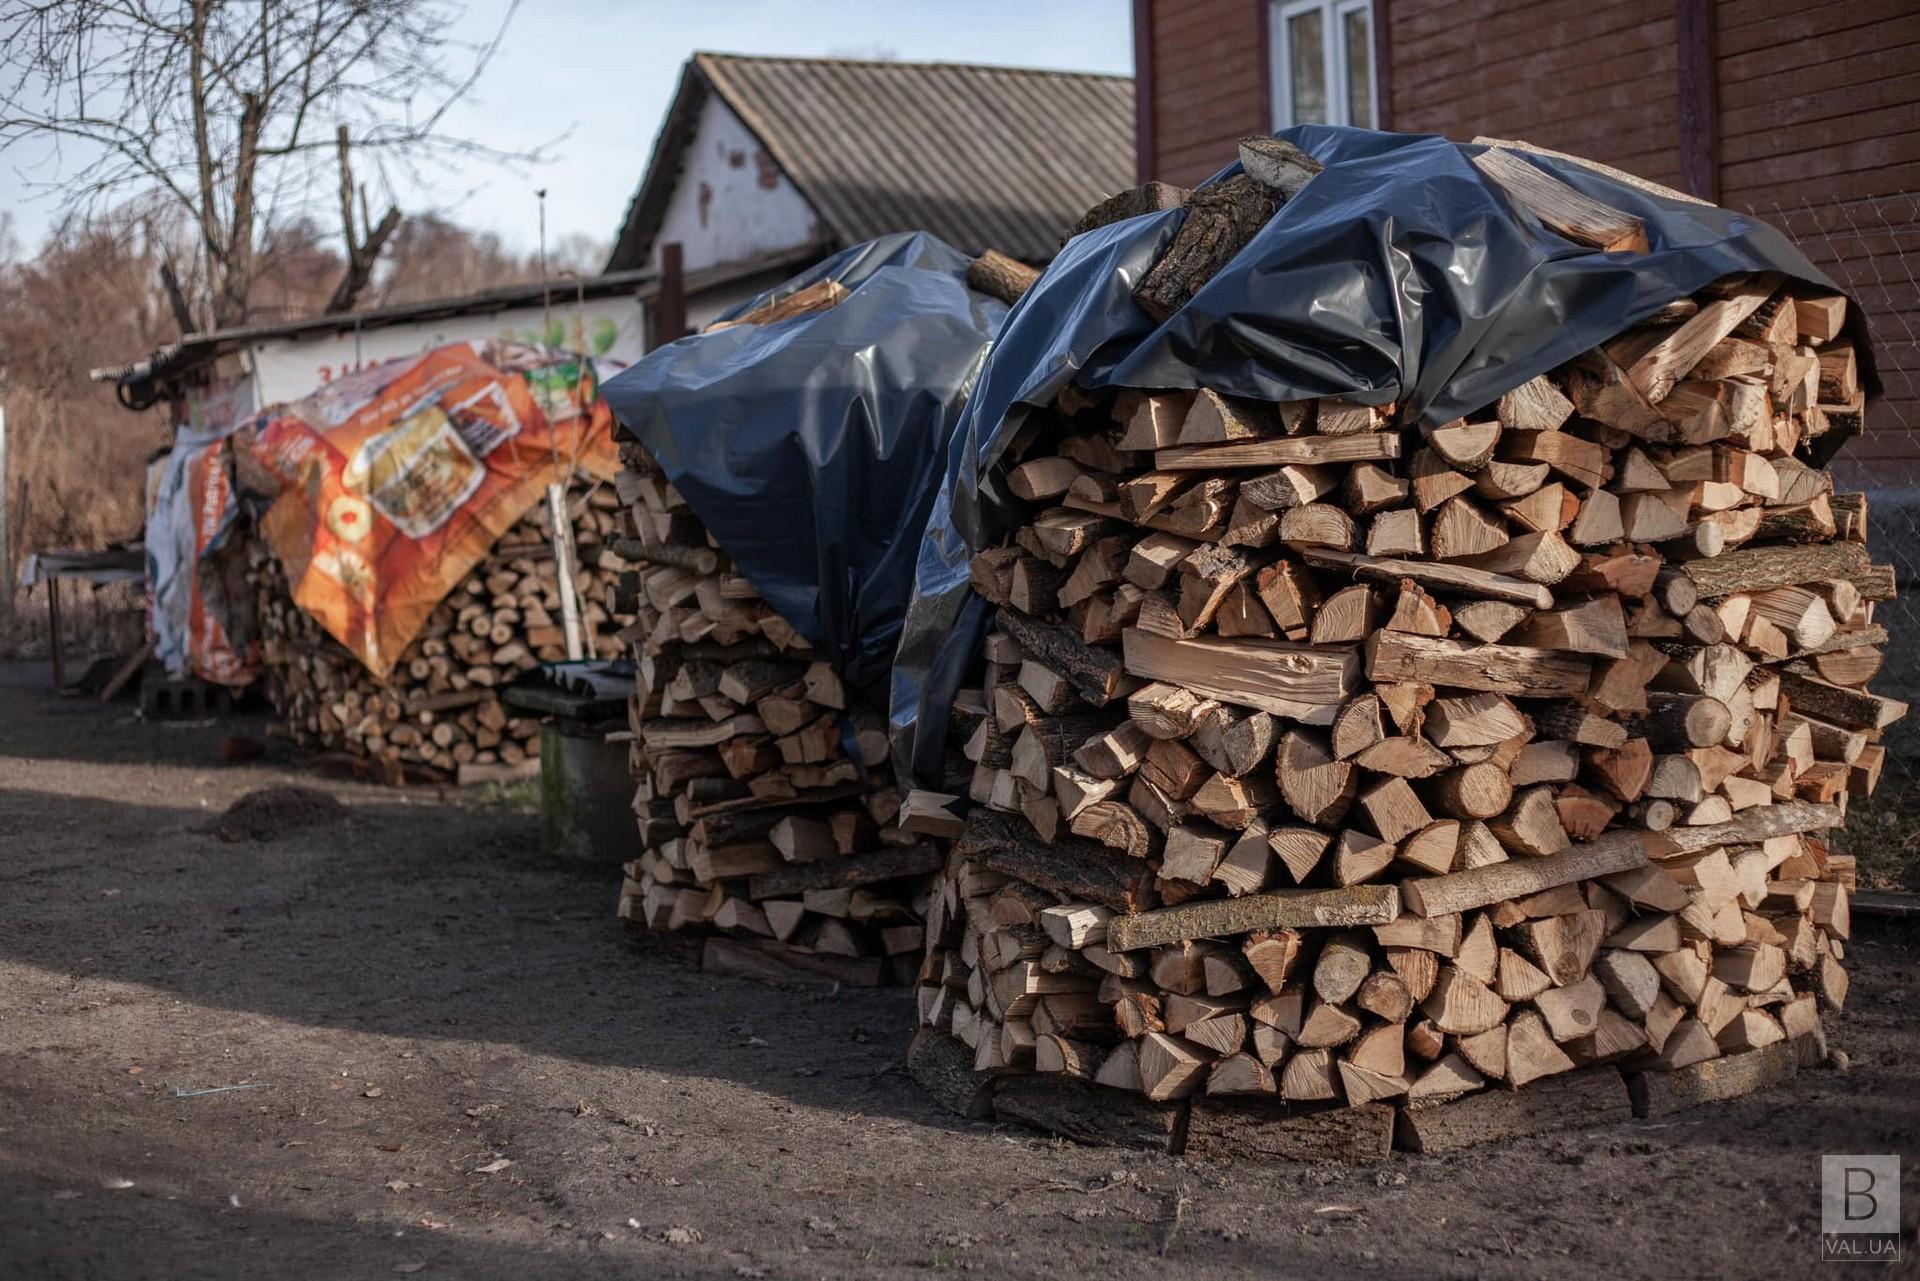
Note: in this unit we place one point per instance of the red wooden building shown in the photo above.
(1806, 113)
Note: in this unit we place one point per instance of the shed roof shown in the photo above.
(193, 348)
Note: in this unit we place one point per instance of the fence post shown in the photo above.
(6, 562)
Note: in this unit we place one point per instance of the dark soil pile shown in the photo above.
(267, 812)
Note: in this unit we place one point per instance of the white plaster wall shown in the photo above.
(287, 369)
(731, 202)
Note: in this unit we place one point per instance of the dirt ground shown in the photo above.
(461, 1066)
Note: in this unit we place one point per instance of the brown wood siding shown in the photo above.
(1819, 120)
(1586, 76)
(1816, 102)
(1207, 84)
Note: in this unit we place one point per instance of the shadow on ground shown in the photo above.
(461, 1060)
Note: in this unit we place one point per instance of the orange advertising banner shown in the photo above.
(393, 482)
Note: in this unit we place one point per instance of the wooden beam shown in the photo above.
(670, 312)
(1501, 669)
(1727, 1077)
(1281, 909)
(1144, 160)
(1699, 119)
(1750, 569)
(1092, 1114)
(1755, 825)
(1382, 62)
(1576, 1100)
(1305, 682)
(1363, 447)
(1456, 578)
(1360, 1135)
(1516, 878)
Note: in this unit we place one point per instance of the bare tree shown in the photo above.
(236, 112)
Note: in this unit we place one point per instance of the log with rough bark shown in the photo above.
(1220, 219)
(998, 276)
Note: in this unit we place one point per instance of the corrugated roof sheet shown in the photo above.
(983, 157)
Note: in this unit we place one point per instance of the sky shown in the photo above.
(602, 74)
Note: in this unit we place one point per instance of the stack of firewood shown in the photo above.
(439, 711)
(766, 812)
(1329, 759)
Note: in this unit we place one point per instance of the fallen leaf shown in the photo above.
(494, 1167)
(117, 1185)
(136, 1070)
(405, 1268)
(398, 1185)
(1338, 1209)
(374, 1093)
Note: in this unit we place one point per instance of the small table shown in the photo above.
(112, 565)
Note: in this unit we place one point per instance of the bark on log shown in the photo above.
(1091, 1114)
(1097, 674)
(998, 276)
(1218, 918)
(1360, 1135)
(1457, 578)
(1080, 869)
(1750, 569)
(1730, 1076)
(943, 1067)
(1755, 825)
(1577, 1099)
(1515, 878)
(843, 873)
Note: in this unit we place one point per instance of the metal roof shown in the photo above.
(984, 157)
(194, 347)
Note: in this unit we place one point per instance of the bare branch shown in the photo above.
(230, 108)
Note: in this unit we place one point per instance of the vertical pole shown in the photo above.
(671, 321)
(1699, 124)
(6, 563)
(1143, 157)
(563, 562)
(53, 628)
(1382, 20)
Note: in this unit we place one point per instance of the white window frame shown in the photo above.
(1333, 14)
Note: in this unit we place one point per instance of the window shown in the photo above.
(1322, 62)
